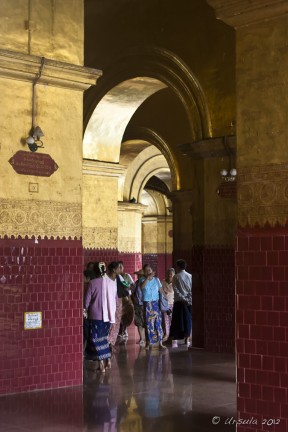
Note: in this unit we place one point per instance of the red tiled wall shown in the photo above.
(43, 277)
(262, 327)
(132, 261)
(219, 298)
(106, 255)
(196, 268)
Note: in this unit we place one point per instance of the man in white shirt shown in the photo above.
(181, 325)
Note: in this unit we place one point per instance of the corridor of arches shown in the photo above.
(139, 105)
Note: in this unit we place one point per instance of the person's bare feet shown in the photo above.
(101, 367)
(108, 364)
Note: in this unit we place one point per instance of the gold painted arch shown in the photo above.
(162, 65)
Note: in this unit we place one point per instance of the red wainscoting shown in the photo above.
(262, 327)
(219, 298)
(106, 255)
(132, 261)
(40, 277)
(196, 268)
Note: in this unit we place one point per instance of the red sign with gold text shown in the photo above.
(36, 164)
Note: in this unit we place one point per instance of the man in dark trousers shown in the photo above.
(181, 325)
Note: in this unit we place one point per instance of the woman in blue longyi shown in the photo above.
(150, 286)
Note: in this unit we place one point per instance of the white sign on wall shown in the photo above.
(32, 320)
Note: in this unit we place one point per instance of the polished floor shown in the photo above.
(145, 391)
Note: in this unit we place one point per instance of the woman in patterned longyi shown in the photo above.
(100, 304)
(150, 286)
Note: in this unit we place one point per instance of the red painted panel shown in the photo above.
(34, 359)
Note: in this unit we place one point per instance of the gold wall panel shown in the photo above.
(100, 237)
(155, 232)
(100, 220)
(50, 28)
(40, 218)
(129, 227)
(59, 113)
(263, 195)
(262, 64)
(149, 234)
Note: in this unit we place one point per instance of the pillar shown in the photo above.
(262, 245)
(130, 235)
(41, 196)
(158, 242)
(100, 210)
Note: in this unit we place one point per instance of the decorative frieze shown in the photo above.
(40, 218)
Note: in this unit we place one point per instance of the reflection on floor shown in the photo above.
(145, 391)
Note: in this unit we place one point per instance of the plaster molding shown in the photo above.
(126, 206)
(157, 219)
(240, 13)
(103, 169)
(24, 67)
(40, 218)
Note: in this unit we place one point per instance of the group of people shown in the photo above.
(162, 311)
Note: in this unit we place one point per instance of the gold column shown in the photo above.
(100, 206)
(130, 227)
(262, 134)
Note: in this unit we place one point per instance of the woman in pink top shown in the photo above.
(100, 304)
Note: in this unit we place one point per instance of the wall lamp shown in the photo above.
(230, 174)
(34, 139)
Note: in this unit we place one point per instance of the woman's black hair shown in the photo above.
(89, 274)
(113, 266)
(97, 270)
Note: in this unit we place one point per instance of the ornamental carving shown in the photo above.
(40, 218)
(263, 195)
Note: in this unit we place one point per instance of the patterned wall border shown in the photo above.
(263, 195)
(27, 218)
